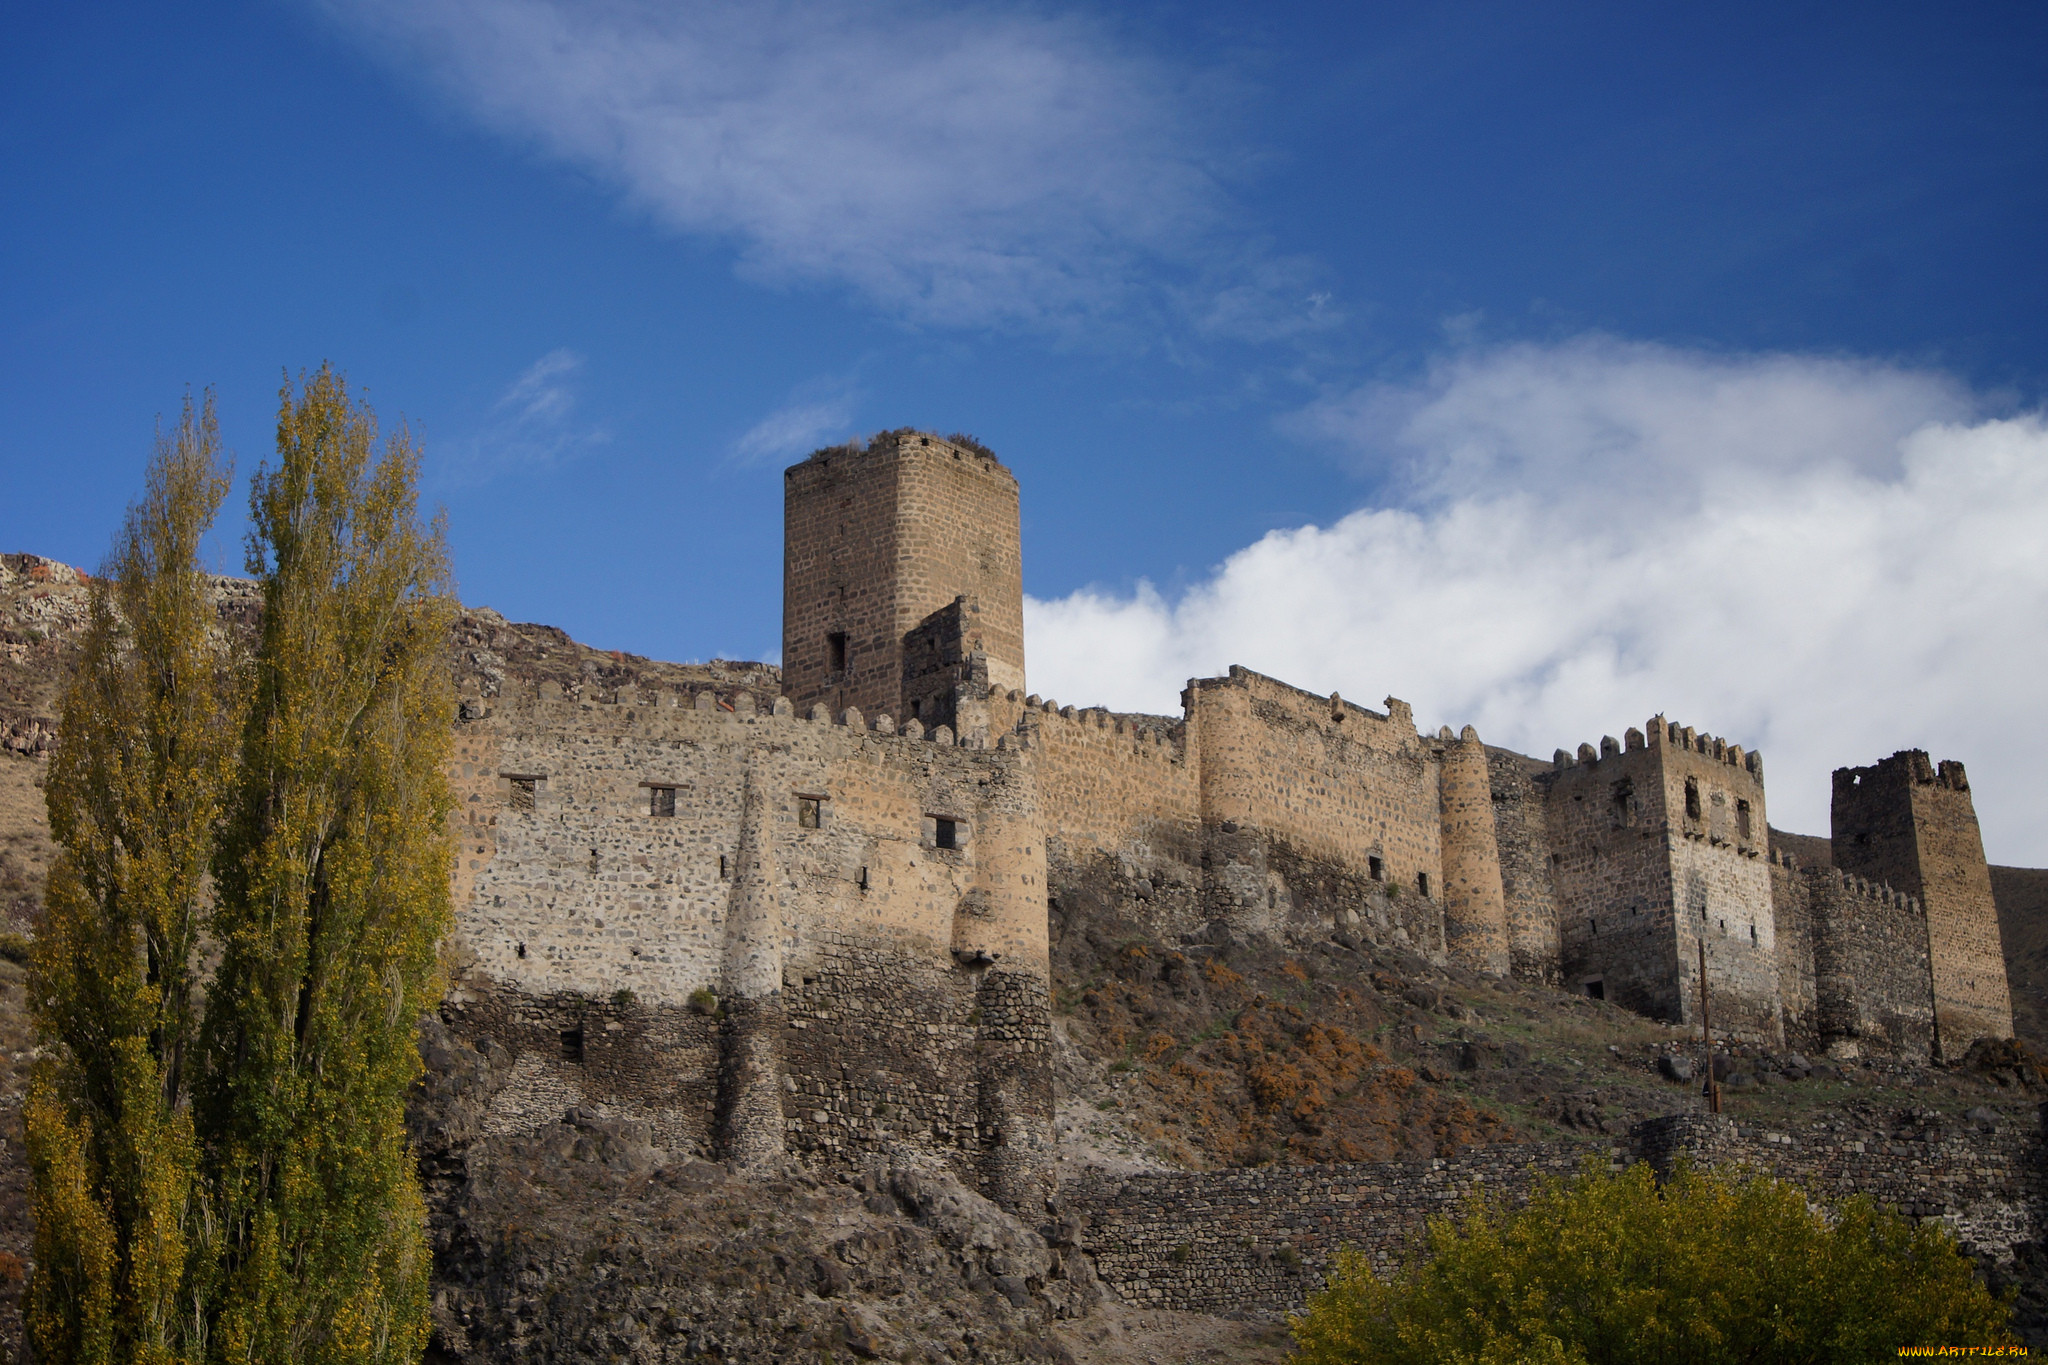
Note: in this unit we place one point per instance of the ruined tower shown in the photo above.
(1911, 825)
(902, 577)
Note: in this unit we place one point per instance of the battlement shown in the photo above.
(1659, 733)
(655, 715)
(1853, 887)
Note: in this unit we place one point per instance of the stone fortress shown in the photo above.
(814, 923)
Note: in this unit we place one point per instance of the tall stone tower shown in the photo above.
(1910, 824)
(902, 575)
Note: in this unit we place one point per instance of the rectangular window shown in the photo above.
(523, 792)
(724, 868)
(572, 1045)
(809, 811)
(1742, 821)
(1624, 799)
(945, 833)
(1692, 798)
(1422, 883)
(835, 652)
(863, 879)
(1376, 868)
(661, 801)
(1596, 990)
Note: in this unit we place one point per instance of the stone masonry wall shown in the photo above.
(606, 838)
(1335, 781)
(1522, 836)
(1873, 991)
(1261, 1239)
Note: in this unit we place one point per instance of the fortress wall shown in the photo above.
(1792, 922)
(1873, 990)
(1261, 1239)
(1911, 824)
(1334, 781)
(903, 978)
(1109, 784)
(1521, 834)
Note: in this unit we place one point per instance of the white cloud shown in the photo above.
(958, 163)
(815, 413)
(532, 425)
(1826, 560)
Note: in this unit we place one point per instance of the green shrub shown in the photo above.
(704, 1000)
(1613, 1268)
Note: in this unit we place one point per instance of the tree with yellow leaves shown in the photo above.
(134, 794)
(241, 1188)
(1705, 1269)
(332, 900)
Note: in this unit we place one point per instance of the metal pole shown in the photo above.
(1707, 1033)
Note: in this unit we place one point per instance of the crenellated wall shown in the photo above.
(846, 900)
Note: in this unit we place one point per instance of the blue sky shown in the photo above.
(1548, 366)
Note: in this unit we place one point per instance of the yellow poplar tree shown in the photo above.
(332, 895)
(134, 793)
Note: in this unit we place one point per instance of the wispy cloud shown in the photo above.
(961, 165)
(1825, 559)
(533, 425)
(815, 414)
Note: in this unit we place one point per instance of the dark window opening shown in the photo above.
(1752, 934)
(1742, 820)
(523, 792)
(945, 833)
(1624, 804)
(593, 862)
(1557, 860)
(916, 709)
(661, 801)
(809, 811)
(1422, 883)
(521, 950)
(1692, 799)
(1377, 868)
(1593, 926)
(863, 879)
(572, 1045)
(724, 868)
(1596, 990)
(835, 652)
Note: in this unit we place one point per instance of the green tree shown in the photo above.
(134, 794)
(332, 897)
(1707, 1268)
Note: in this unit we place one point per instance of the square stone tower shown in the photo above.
(1660, 844)
(913, 531)
(1911, 825)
